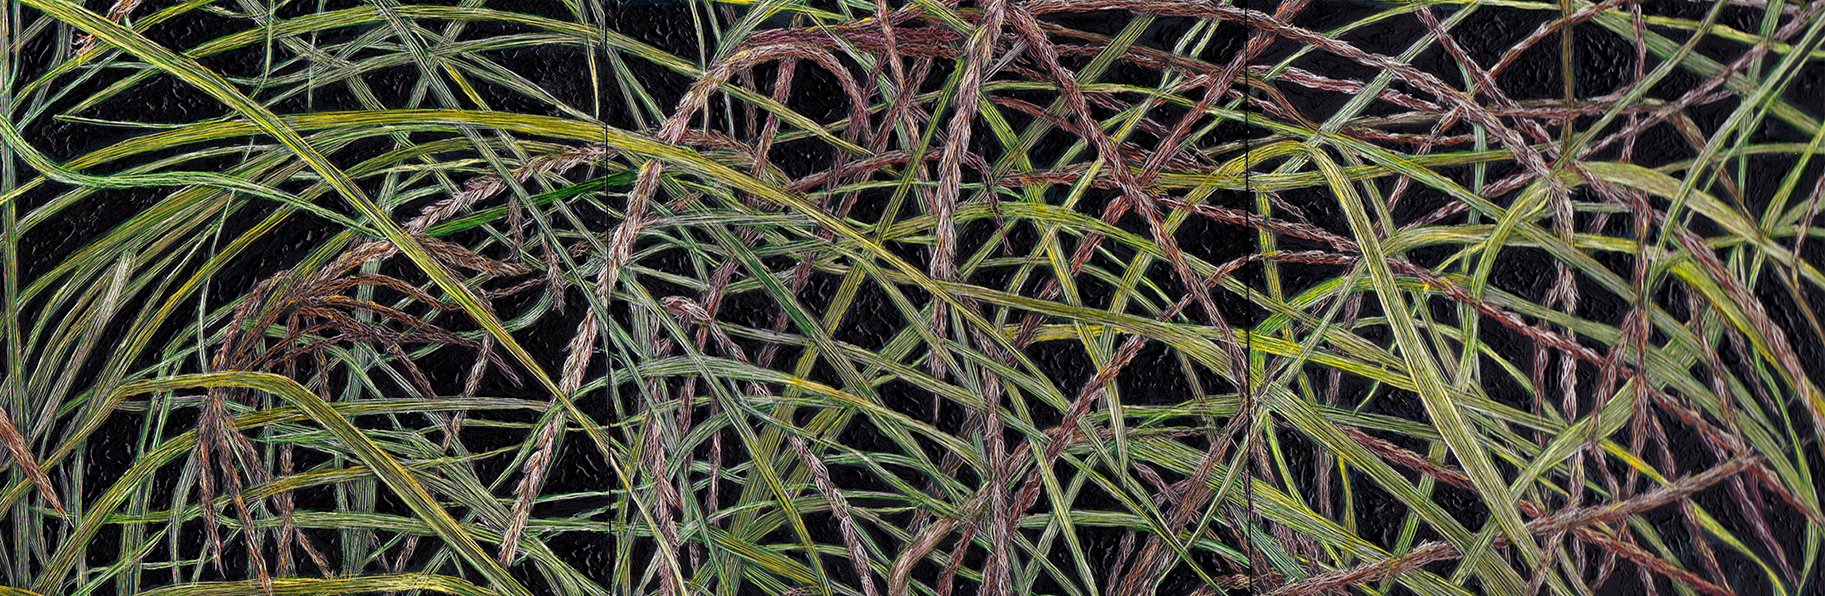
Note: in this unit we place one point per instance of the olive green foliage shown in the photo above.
(878, 297)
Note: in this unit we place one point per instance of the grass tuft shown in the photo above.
(860, 297)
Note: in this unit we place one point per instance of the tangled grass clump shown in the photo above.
(857, 297)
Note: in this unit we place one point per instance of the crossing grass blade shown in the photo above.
(874, 297)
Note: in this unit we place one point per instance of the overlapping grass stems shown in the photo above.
(1011, 296)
